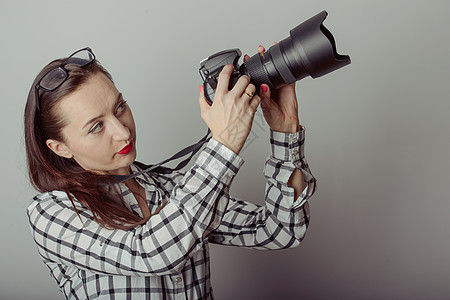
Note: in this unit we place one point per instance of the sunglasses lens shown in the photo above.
(53, 79)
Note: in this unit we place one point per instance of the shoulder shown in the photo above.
(49, 199)
(53, 205)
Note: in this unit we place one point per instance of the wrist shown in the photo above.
(235, 148)
(287, 128)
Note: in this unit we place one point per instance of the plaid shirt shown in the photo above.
(168, 257)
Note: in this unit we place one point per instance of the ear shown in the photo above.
(59, 148)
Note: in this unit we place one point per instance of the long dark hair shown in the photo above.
(50, 172)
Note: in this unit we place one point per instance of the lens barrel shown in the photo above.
(310, 50)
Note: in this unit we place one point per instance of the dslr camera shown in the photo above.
(310, 50)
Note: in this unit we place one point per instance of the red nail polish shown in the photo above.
(264, 88)
(200, 88)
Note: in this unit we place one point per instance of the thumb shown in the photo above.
(265, 95)
(204, 106)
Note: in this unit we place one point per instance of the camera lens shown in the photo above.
(310, 50)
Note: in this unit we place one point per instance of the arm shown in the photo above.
(283, 221)
(161, 246)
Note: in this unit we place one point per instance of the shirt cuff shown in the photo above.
(219, 161)
(288, 146)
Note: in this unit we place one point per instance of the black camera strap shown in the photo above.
(159, 168)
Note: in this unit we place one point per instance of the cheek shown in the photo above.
(95, 156)
(95, 151)
(89, 148)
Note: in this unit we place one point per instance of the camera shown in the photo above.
(310, 50)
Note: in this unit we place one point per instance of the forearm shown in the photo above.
(203, 192)
(295, 173)
(283, 220)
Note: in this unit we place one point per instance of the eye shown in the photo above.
(121, 107)
(96, 128)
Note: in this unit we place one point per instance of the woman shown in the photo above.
(149, 235)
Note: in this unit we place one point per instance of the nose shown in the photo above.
(120, 132)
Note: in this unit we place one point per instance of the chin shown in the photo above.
(129, 159)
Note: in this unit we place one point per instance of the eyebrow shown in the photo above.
(119, 98)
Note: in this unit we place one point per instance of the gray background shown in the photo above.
(377, 134)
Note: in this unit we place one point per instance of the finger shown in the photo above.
(241, 85)
(261, 49)
(254, 103)
(204, 105)
(249, 92)
(246, 57)
(224, 79)
(251, 88)
(264, 91)
(265, 94)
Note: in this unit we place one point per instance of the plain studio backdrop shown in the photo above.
(377, 134)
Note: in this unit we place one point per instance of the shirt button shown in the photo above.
(179, 281)
(294, 140)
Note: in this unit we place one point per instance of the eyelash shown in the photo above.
(122, 104)
(96, 128)
(99, 126)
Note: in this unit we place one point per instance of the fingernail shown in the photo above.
(264, 88)
(200, 88)
(259, 46)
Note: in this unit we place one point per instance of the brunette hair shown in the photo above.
(49, 172)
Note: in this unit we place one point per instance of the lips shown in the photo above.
(127, 149)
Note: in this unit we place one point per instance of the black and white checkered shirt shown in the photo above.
(168, 257)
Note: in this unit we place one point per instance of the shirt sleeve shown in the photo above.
(159, 247)
(282, 222)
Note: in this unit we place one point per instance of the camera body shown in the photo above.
(310, 50)
(210, 69)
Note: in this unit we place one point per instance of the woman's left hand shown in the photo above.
(280, 107)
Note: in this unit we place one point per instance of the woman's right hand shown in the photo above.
(230, 117)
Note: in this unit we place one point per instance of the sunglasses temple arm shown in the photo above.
(36, 97)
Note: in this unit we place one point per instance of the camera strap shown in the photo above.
(159, 168)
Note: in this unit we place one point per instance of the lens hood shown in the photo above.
(316, 47)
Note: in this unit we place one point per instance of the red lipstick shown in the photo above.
(127, 149)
